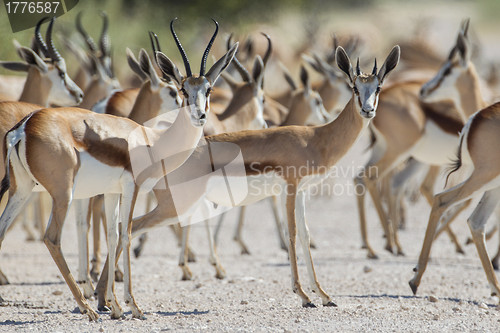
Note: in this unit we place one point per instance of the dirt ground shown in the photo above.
(372, 295)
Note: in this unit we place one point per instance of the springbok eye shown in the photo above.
(378, 89)
(209, 91)
(173, 93)
(62, 75)
(447, 70)
(355, 89)
(318, 102)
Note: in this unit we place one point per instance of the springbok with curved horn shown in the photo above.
(102, 52)
(425, 125)
(268, 153)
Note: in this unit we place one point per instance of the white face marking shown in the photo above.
(64, 92)
(318, 115)
(196, 95)
(170, 98)
(367, 88)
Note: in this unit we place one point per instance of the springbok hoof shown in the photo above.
(495, 264)
(330, 303)
(372, 255)
(460, 251)
(118, 276)
(137, 252)
(103, 308)
(413, 287)
(401, 253)
(308, 305)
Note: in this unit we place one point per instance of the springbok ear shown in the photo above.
(312, 62)
(134, 65)
(258, 71)
(214, 72)
(464, 29)
(168, 68)
(344, 63)
(147, 67)
(32, 58)
(15, 66)
(463, 48)
(304, 78)
(288, 76)
(390, 63)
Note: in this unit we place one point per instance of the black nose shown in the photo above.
(203, 116)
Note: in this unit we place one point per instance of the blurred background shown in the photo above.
(295, 26)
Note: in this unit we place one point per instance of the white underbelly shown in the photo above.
(94, 177)
(435, 147)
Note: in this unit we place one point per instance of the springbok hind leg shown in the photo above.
(52, 239)
(427, 190)
(19, 195)
(476, 222)
(442, 202)
(496, 258)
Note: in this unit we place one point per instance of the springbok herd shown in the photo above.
(429, 114)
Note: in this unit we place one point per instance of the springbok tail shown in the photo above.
(12, 138)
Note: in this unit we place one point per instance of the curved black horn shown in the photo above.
(269, 48)
(53, 53)
(104, 43)
(181, 50)
(245, 75)
(40, 43)
(374, 71)
(207, 50)
(88, 40)
(358, 70)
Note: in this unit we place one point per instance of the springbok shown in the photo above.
(306, 108)
(244, 110)
(102, 53)
(81, 141)
(481, 128)
(47, 83)
(268, 153)
(424, 127)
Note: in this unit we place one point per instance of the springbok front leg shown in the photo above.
(112, 206)
(98, 215)
(127, 202)
(292, 234)
(84, 278)
(237, 234)
(183, 257)
(305, 240)
(220, 273)
(279, 224)
(477, 222)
